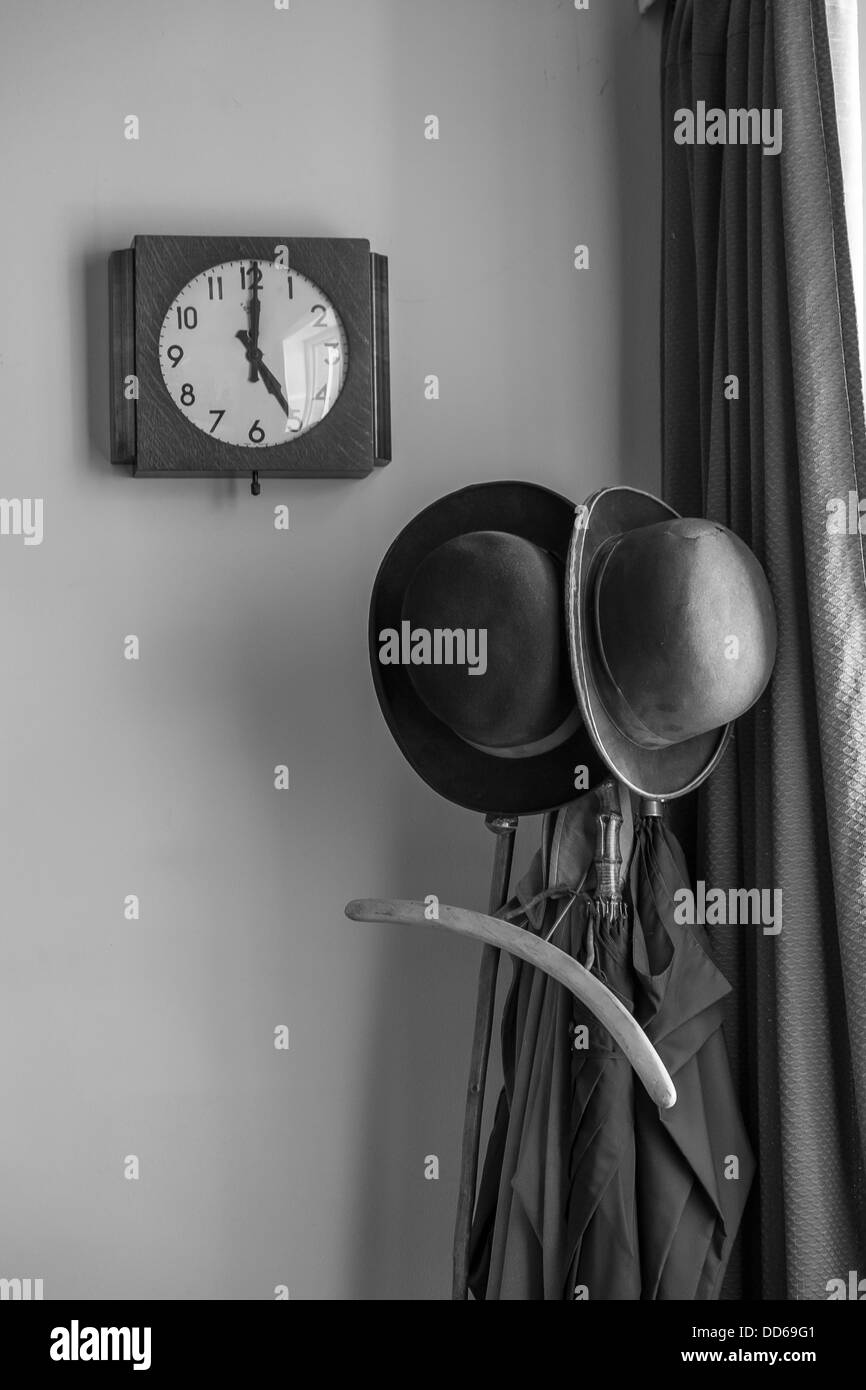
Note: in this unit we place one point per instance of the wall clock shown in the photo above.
(256, 356)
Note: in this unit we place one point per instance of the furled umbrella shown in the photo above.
(601, 1202)
(588, 1192)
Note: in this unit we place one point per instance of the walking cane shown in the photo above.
(504, 828)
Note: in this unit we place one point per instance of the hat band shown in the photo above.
(565, 730)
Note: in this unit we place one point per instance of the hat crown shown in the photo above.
(684, 628)
(509, 590)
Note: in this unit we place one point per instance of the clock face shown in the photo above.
(253, 353)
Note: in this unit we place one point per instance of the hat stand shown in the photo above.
(504, 828)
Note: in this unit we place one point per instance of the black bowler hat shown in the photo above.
(672, 634)
(492, 722)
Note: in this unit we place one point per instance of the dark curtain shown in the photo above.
(757, 284)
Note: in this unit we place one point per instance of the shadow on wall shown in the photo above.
(92, 277)
(94, 281)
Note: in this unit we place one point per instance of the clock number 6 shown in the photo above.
(256, 434)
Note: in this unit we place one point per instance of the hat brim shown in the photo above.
(662, 773)
(462, 773)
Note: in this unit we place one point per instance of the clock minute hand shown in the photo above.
(269, 381)
(254, 312)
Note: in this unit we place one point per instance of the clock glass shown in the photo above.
(253, 353)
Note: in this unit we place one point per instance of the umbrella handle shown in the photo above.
(608, 859)
(493, 931)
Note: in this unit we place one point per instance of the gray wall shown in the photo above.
(155, 1037)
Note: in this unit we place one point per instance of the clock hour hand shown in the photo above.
(272, 385)
(269, 381)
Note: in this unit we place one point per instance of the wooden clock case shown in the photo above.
(153, 435)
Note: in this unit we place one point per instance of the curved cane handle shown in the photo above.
(623, 1028)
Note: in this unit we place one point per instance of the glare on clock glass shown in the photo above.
(253, 353)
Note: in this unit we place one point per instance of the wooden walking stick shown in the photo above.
(504, 828)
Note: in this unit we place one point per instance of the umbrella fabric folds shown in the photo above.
(588, 1190)
(696, 1162)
